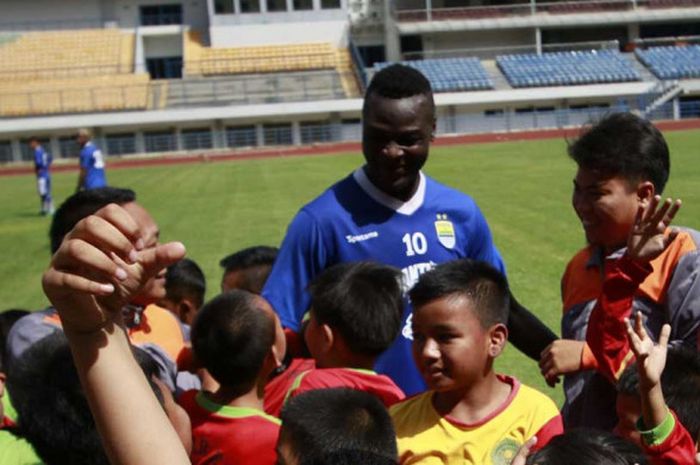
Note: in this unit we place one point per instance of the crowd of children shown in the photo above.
(130, 365)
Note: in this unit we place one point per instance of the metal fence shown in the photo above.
(324, 131)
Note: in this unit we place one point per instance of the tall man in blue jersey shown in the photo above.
(389, 211)
(42, 168)
(92, 163)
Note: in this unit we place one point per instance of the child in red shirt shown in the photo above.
(238, 339)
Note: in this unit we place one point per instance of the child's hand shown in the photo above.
(524, 451)
(100, 266)
(651, 358)
(560, 357)
(647, 240)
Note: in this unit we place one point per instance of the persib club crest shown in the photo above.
(445, 231)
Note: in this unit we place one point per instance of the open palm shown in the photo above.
(648, 236)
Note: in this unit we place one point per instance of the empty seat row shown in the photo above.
(450, 74)
(672, 62)
(566, 68)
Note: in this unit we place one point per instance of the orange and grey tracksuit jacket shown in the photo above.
(598, 292)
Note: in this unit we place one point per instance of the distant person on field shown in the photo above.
(470, 414)
(239, 340)
(623, 166)
(92, 163)
(42, 169)
(248, 268)
(355, 315)
(337, 426)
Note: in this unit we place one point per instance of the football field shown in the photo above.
(215, 208)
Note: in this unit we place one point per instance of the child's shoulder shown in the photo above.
(529, 400)
(415, 405)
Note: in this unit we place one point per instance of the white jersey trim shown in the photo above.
(408, 207)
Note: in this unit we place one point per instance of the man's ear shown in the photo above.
(497, 338)
(645, 192)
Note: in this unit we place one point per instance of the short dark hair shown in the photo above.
(589, 447)
(680, 383)
(485, 286)
(398, 81)
(7, 319)
(363, 301)
(321, 422)
(52, 411)
(81, 205)
(350, 457)
(185, 279)
(623, 144)
(231, 336)
(254, 263)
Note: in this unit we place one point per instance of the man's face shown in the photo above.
(81, 139)
(607, 207)
(396, 135)
(450, 347)
(154, 290)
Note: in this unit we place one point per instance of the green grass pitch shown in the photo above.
(523, 188)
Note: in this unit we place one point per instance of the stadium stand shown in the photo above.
(289, 60)
(450, 74)
(77, 95)
(672, 62)
(61, 54)
(566, 68)
(70, 72)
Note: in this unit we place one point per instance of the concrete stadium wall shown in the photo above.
(51, 11)
(335, 32)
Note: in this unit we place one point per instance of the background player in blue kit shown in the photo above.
(42, 168)
(389, 211)
(92, 163)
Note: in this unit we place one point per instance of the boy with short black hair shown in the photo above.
(470, 414)
(238, 339)
(185, 287)
(355, 315)
(623, 165)
(323, 422)
(248, 268)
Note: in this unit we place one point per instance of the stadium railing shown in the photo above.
(245, 136)
(527, 9)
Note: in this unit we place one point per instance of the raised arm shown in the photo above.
(99, 266)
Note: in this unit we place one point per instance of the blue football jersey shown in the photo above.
(353, 220)
(92, 160)
(42, 162)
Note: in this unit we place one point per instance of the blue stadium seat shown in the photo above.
(566, 68)
(450, 74)
(671, 62)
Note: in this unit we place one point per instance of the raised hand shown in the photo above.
(647, 238)
(651, 357)
(100, 266)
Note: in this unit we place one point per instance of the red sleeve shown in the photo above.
(553, 427)
(677, 449)
(607, 334)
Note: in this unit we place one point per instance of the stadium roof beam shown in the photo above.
(549, 20)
